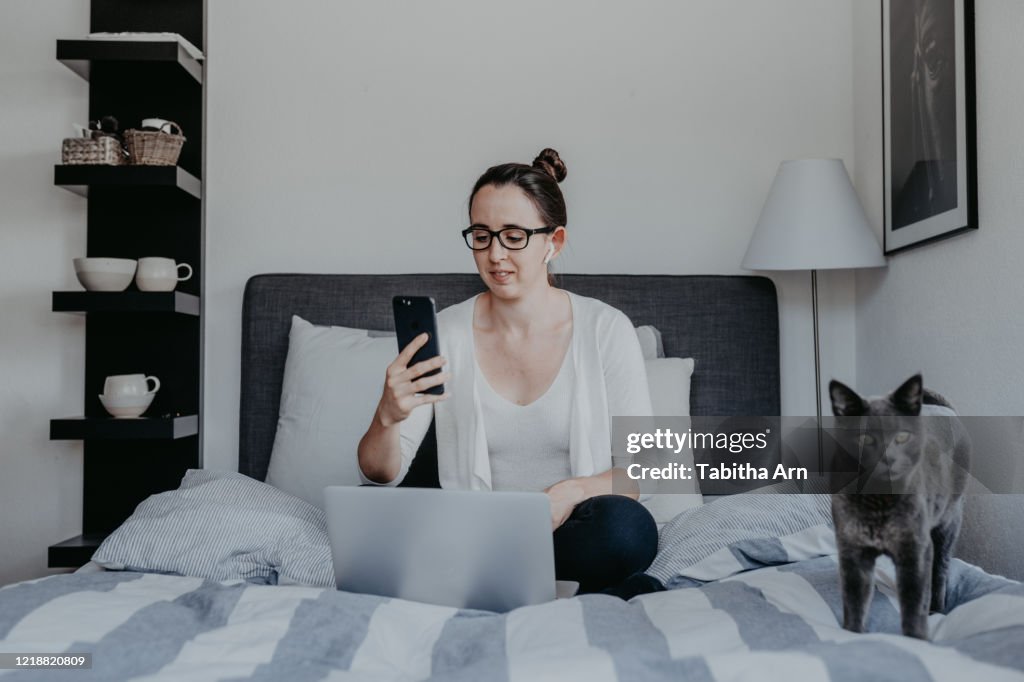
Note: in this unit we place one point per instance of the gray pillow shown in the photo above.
(222, 526)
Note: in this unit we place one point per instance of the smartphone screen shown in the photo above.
(413, 316)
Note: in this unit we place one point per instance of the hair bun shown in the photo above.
(551, 163)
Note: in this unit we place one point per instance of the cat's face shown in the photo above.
(883, 433)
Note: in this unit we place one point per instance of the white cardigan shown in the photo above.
(610, 380)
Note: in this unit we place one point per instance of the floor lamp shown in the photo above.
(812, 220)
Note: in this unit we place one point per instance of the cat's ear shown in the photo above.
(845, 401)
(907, 398)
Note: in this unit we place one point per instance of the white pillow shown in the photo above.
(668, 380)
(333, 378)
(650, 342)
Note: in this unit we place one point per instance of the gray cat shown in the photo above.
(920, 460)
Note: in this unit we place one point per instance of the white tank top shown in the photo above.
(528, 445)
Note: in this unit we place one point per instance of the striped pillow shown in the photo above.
(740, 532)
(222, 526)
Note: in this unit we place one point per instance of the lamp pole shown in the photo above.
(817, 370)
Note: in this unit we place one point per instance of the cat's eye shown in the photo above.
(865, 440)
(902, 437)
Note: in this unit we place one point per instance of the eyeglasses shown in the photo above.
(512, 238)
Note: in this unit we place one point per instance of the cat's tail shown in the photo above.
(933, 398)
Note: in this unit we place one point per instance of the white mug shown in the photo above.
(160, 274)
(155, 123)
(129, 384)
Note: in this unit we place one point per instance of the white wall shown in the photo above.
(344, 137)
(954, 309)
(42, 228)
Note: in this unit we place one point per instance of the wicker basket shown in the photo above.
(100, 150)
(154, 147)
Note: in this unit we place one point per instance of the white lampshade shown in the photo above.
(812, 220)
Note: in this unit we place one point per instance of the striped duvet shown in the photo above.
(778, 622)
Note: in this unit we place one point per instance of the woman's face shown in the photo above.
(510, 273)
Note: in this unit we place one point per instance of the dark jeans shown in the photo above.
(606, 540)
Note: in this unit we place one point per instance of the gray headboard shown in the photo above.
(729, 324)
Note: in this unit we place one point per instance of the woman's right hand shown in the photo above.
(404, 385)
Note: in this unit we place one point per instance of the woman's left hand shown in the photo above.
(564, 496)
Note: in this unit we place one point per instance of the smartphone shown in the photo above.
(413, 316)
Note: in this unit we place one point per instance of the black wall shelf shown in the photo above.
(78, 55)
(108, 428)
(75, 551)
(78, 178)
(134, 212)
(125, 302)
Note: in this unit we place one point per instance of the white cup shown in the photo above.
(155, 123)
(160, 274)
(121, 385)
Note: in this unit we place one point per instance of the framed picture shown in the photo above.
(931, 185)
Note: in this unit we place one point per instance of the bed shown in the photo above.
(753, 578)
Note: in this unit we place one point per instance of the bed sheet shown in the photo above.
(778, 622)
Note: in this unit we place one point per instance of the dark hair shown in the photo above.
(539, 181)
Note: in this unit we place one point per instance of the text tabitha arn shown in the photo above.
(716, 472)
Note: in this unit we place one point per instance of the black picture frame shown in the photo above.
(929, 123)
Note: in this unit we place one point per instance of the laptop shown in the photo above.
(467, 549)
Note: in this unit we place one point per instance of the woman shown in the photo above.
(536, 374)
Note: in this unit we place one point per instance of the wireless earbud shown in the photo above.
(550, 254)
